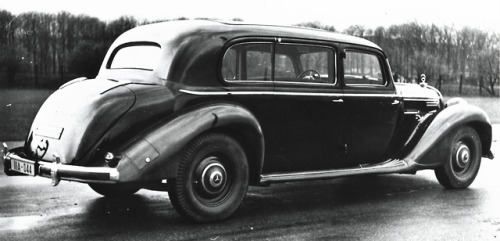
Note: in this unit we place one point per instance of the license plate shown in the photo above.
(22, 167)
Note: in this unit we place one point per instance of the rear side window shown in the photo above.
(288, 62)
(363, 69)
(139, 56)
(248, 62)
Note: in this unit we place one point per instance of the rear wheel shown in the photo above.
(115, 190)
(212, 178)
(462, 165)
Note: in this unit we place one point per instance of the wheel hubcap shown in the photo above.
(461, 157)
(212, 177)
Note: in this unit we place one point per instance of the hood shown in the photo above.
(415, 91)
(74, 117)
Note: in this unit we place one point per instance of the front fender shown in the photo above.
(432, 148)
(154, 154)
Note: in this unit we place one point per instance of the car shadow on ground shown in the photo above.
(279, 205)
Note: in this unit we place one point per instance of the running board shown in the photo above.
(391, 166)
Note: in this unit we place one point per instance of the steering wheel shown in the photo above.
(309, 74)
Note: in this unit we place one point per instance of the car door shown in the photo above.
(246, 69)
(371, 105)
(307, 110)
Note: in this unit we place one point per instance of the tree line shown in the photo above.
(55, 44)
(61, 45)
(444, 54)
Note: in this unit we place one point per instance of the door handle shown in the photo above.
(338, 101)
(395, 102)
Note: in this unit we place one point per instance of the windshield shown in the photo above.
(137, 56)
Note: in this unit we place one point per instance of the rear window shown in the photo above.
(248, 62)
(140, 56)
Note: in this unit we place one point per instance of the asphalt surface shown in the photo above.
(385, 207)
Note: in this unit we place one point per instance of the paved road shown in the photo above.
(387, 207)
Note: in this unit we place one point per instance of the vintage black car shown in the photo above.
(204, 109)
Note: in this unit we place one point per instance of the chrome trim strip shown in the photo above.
(429, 102)
(390, 166)
(211, 93)
(373, 86)
(432, 103)
(411, 112)
(280, 82)
(420, 99)
(335, 54)
(299, 83)
(5, 150)
(373, 95)
(279, 93)
(86, 172)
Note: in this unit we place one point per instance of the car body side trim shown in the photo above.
(287, 93)
(411, 112)
(430, 102)
(419, 99)
(390, 166)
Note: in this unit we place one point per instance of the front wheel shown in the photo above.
(462, 165)
(212, 178)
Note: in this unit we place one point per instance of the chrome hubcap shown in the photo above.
(462, 156)
(212, 177)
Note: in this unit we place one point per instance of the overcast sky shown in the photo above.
(482, 14)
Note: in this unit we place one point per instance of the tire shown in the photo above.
(463, 162)
(115, 190)
(212, 178)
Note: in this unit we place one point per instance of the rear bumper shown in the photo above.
(57, 171)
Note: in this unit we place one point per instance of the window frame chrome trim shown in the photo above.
(273, 52)
(110, 59)
(271, 43)
(381, 60)
(335, 65)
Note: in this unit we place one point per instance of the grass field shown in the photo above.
(18, 107)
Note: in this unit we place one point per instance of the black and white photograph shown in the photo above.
(249, 120)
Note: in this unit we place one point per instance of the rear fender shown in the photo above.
(154, 155)
(431, 150)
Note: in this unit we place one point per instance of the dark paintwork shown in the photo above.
(165, 140)
(147, 117)
(95, 107)
(428, 152)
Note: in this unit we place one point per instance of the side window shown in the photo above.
(304, 63)
(292, 63)
(317, 60)
(363, 69)
(258, 63)
(283, 67)
(247, 62)
(230, 65)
